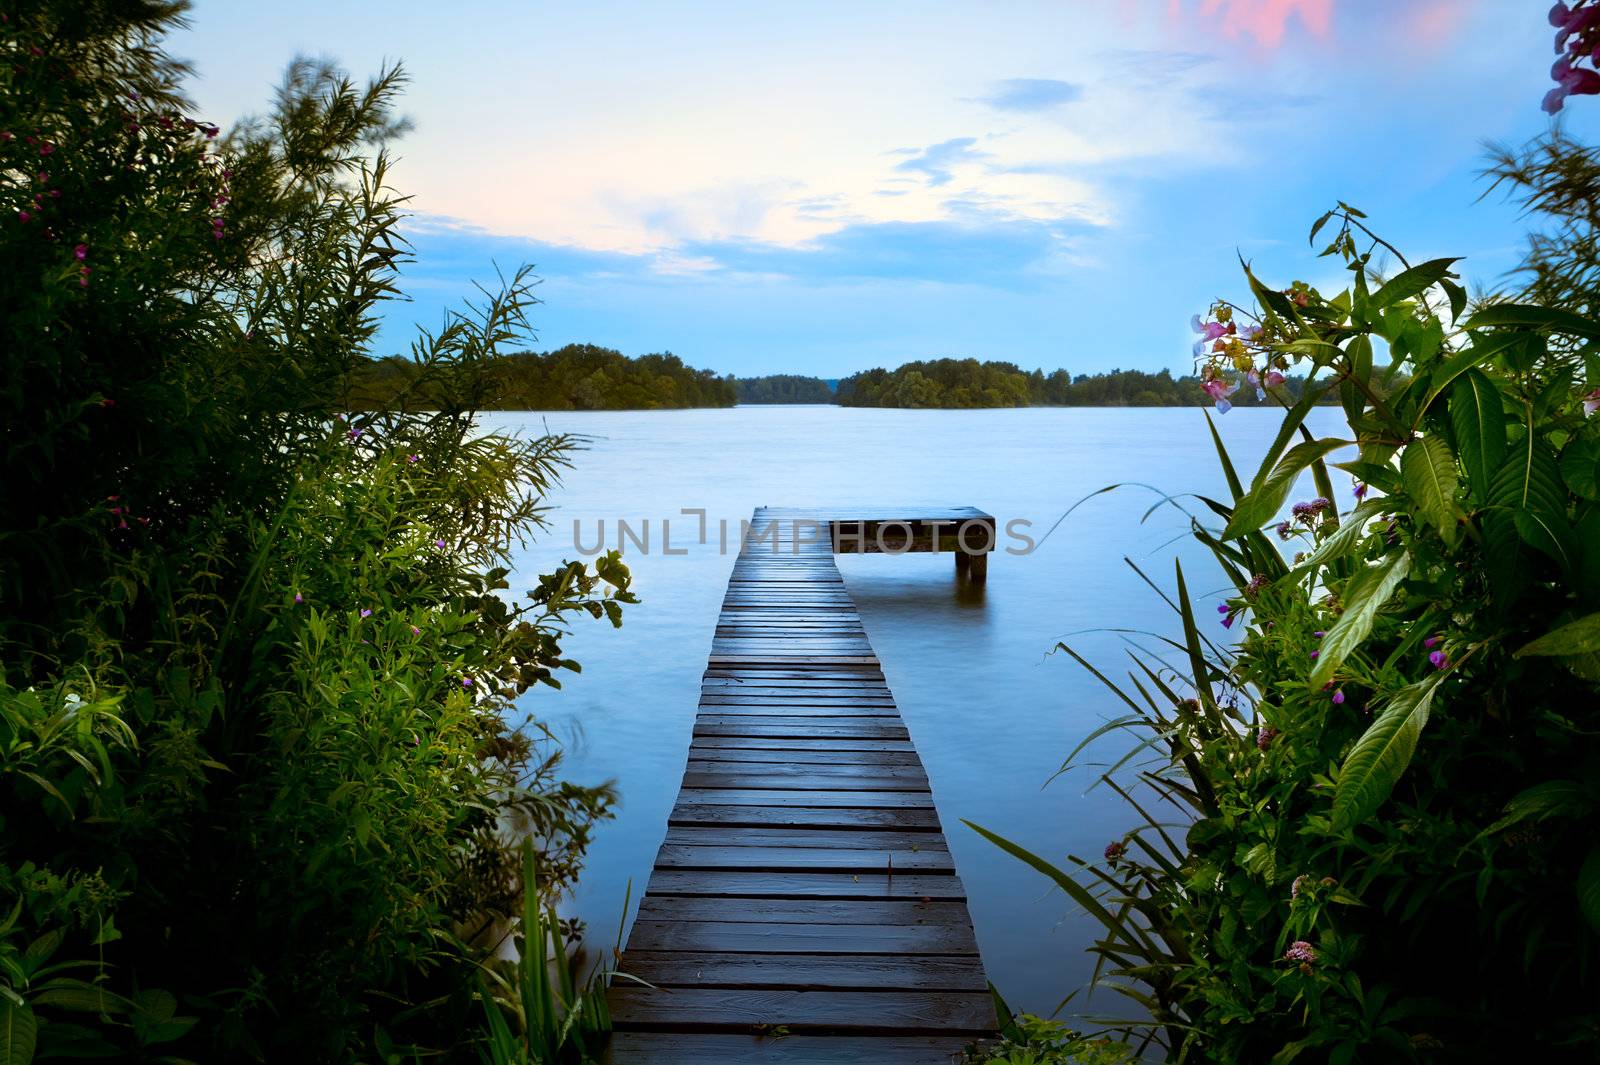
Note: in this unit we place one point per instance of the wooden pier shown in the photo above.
(804, 906)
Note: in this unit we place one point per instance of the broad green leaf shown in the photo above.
(1528, 486)
(1428, 470)
(1478, 417)
(1364, 595)
(1381, 755)
(1550, 798)
(1266, 497)
(1589, 888)
(1515, 314)
(1574, 638)
(19, 1030)
(1580, 468)
(1446, 373)
(1412, 282)
(1359, 353)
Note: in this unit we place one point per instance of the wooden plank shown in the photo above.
(868, 970)
(699, 753)
(788, 859)
(867, 798)
(795, 938)
(807, 837)
(910, 817)
(809, 1011)
(795, 885)
(684, 1048)
(804, 911)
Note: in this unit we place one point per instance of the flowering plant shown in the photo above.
(1390, 784)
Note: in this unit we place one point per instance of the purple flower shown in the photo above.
(1284, 531)
(466, 682)
(415, 631)
(1196, 324)
(1314, 654)
(1114, 850)
(1338, 697)
(297, 598)
(439, 544)
(412, 458)
(1301, 953)
(1274, 379)
(1431, 641)
(1265, 737)
(1294, 888)
(81, 252)
(1438, 659)
(1249, 332)
(366, 613)
(1319, 634)
(1360, 491)
(355, 434)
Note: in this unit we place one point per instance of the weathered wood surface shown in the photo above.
(804, 906)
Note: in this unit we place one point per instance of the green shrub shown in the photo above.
(260, 784)
(1371, 827)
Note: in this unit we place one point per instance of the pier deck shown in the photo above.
(804, 906)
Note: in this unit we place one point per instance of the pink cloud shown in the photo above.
(1267, 20)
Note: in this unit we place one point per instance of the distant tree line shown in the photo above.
(575, 377)
(588, 377)
(965, 383)
(783, 388)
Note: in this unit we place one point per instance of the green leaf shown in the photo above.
(1364, 595)
(1580, 468)
(1478, 417)
(1528, 486)
(1574, 638)
(1589, 888)
(1412, 282)
(1349, 536)
(1266, 496)
(1514, 314)
(1381, 755)
(1458, 298)
(1428, 470)
(19, 1030)
(1550, 798)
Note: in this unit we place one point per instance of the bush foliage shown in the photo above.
(1371, 826)
(260, 778)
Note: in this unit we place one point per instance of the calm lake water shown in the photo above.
(992, 712)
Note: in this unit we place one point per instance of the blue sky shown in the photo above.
(827, 187)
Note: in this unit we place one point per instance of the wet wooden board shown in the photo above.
(805, 883)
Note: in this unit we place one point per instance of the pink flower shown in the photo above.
(81, 252)
(1301, 953)
(1591, 402)
(1438, 659)
(413, 458)
(1274, 378)
(46, 148)
(24, 217)
(1431, 641)
(1219, 390)
(1114, 850)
